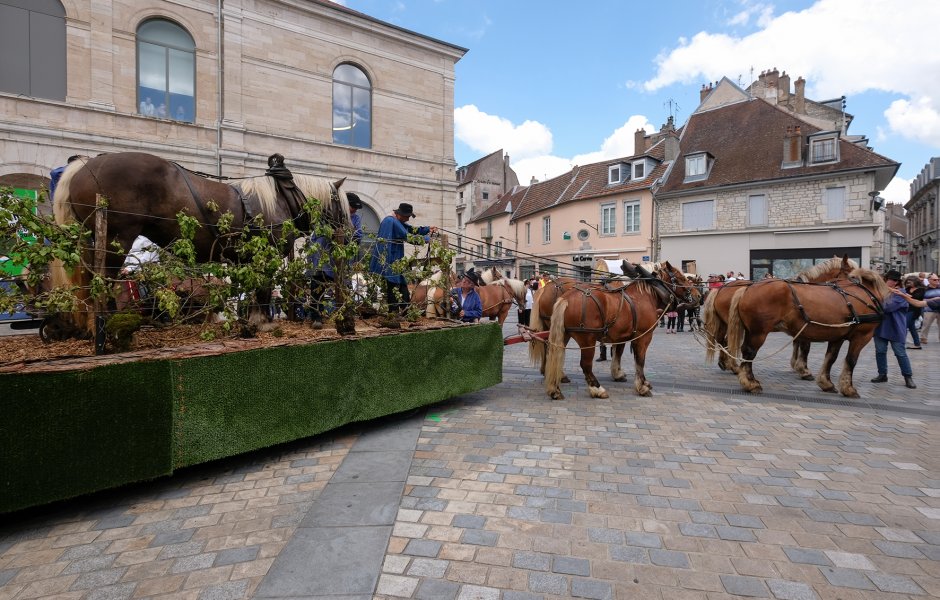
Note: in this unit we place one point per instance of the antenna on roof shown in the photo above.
(673, 107)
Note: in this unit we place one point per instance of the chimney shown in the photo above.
(671, 145)
(799, 103)
(639, 141)
(706, 90)
(772, 77)
(792, 148)
(783, 88)
(533, 181)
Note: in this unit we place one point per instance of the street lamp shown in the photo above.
(589, 225)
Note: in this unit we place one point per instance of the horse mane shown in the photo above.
(265, 189)
(820, 269)
(61, 204)
(872, 280)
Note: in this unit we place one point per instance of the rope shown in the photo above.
(612, 344)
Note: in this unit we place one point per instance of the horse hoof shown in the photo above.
(557, 396)
(645, 393)
(850, 393)
(808, 377)
(565, 379)
(598, 392)
(828, 390)
(621, 378)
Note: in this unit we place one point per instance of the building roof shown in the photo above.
(586, 182)
(470, 171)
(341, 8)
(503, 206)
(746, 140)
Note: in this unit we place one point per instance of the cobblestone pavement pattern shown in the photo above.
(700, 492)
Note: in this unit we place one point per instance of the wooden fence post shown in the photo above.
(101, 242)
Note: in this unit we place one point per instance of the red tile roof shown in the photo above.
(588, 181)
(746, 140)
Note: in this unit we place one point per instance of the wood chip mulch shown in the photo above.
(28, 354)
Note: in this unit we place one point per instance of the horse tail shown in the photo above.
(710, 317)
(64, 213)
(537, 347)
(735, 324)
(554, 364)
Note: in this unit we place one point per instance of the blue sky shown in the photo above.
(562, 83)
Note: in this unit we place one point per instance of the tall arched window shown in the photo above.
(32, 48)
(352, 107)
(166, 71)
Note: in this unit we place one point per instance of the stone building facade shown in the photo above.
(258, 77)
(480, 187)
(924, 219)
(760, 187)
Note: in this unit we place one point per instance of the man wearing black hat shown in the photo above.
(354, 205)
(389, 247)
(465, 301)
(893, 330)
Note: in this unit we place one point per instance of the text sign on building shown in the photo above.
(580, 259)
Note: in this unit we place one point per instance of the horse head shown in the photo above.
(685, 293)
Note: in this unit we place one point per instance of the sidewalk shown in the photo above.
(699, 492)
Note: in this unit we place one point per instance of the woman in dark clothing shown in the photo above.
(914, 286)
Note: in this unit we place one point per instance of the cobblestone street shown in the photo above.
(699, 492)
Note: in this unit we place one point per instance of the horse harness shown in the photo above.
(590, 292)
(875, 316)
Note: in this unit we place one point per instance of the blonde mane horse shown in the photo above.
(145, 193)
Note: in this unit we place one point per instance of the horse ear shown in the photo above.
(339, 182)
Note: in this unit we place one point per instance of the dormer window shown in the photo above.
(824, 148)
(696, 167)
(613, 174)
(639, 170)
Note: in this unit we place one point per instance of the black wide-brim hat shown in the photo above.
(406, 210)
(473, 276)
(893, 274)
(353, 199)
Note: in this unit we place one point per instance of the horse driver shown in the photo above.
(465, 303)
(390, 247)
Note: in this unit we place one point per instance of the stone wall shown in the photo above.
(276, 92)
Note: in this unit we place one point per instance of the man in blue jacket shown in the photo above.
(389, 247)
(893, 330)
(465, 301)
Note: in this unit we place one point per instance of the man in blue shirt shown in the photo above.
(320, 273)
(466, 304)
(893, 330)
(389, 247)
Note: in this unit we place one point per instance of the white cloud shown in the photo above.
(898, 191)
(529, 145)
(919, 119)
(486, 133)
(838, 46)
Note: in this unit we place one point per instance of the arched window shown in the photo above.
(32, 48)
(352, 107)
(166, 71)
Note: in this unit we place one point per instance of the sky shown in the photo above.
(557, 84)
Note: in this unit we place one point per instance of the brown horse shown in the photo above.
(431, 294)
(543, 301)
(616, 313)
(144, 194)
(494, 302)
(718, 302)
(833, 312)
